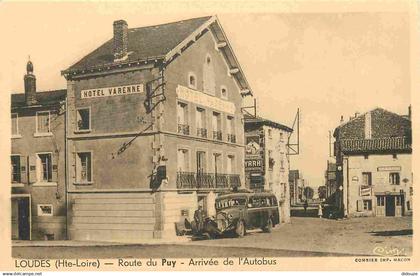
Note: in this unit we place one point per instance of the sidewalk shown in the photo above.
(75, 243)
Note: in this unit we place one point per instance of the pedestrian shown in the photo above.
(305, 205)
(320, 210)
(199, 218)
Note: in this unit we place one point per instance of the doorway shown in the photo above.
(21, 214)
(390, 206)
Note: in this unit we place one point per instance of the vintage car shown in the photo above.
(237, 212)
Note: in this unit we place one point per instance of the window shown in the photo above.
(230, 129)
(83, 119)
(270, 135)
(230, 165)
(217, 162)
(367, 178)
(192, 81)
(209, 79)
(44, 167)
(282, 164)
(367, 205)
(183, 160)
(84, 167)
(45, 210)
(200, 121)
(223, 92)
(15, 126)
(380, 201)
(217, 126)
(43, 122)
(15, 160)
(182, 114)
(201, 162)
(394, 178)
(281, 136)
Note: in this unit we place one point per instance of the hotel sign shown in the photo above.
(193, 96)
(112, 91)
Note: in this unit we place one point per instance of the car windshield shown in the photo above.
(230, 202)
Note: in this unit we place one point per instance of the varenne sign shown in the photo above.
(112, 91)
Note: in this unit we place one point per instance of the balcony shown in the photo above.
(217, 135)
(231, 138)
(184, 129)
(189, 180)
(202, 132)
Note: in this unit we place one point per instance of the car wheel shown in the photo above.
(269, 227)
(240, 229)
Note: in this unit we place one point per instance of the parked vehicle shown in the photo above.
(237, 212)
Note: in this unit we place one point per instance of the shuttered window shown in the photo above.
(43, 122)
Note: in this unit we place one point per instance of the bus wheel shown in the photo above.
(269, 227)
(240, 229)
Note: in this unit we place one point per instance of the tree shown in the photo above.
(308, 192)
(322, 192)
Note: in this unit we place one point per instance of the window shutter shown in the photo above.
(54, 169)
(24, 169)
(32, 169)
(359, 205)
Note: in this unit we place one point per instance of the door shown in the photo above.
(23, 218)
(380, 206)
(390, 206)
(399, 205)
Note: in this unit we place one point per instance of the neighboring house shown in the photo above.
(297, 186)
(373, 157)
(155, 129)
(266, 160)
(37, 162)
(331, 183)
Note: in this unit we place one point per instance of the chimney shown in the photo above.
(368, 125)
(120, 40)
(409, 112)
(30, 84)
(342, 119)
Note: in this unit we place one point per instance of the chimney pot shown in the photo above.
(409, 111)
(120, 40)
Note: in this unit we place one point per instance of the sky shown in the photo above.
(327, 64)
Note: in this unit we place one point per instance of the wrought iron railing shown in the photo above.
(189, 180)
(217, 135)
(231, 138)
(184, 129)
(202, 132)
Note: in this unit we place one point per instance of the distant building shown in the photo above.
(331, 182)
(297, 186)
(266, 160)
(38, 162)
(373, 157)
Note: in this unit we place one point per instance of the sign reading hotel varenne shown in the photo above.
(112, 91)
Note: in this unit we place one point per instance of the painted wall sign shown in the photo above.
(193, 96)
(112, 91)
(389, 168)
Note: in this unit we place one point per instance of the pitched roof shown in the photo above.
(143, 43)
(251, 120)
(160, 42)
(376, 145)
(43, 98)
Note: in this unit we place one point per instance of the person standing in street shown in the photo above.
(320, 210)
(305, 205)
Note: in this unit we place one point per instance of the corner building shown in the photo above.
(154, 129)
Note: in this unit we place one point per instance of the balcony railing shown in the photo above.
(231, 138)
(184, 129)
(202, 132)
(189, 180)
(217, 135)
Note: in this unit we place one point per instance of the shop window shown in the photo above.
(394, 178)
(83, 119)
(43, 122)
(15, 160)
(44, 167)
(367, 205)
(367, 178)
(84, 167)
(192, 81)
(15, 125)
(45, 210)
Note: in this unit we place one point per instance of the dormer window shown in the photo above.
(192, 81)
